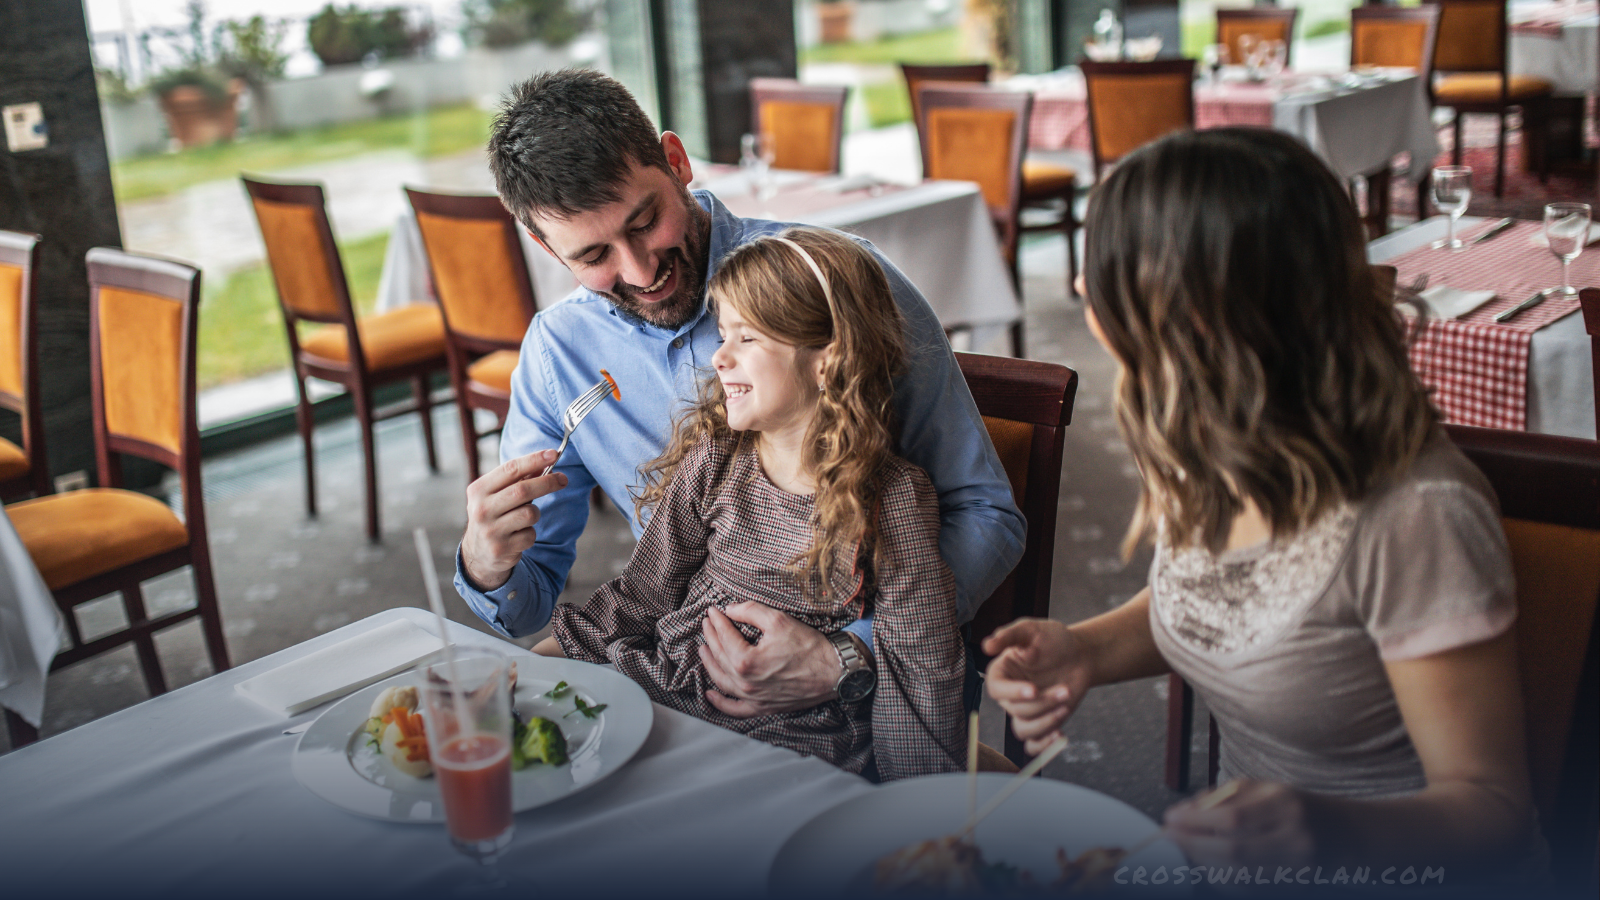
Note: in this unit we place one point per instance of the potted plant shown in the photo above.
(836, 17)
(200, 107)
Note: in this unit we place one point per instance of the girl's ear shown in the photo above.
(819, 365)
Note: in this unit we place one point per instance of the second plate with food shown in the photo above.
(837, 852)
(337, 762)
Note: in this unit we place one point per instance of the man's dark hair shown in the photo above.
(565, 140)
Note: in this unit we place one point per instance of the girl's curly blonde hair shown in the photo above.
(852, 435)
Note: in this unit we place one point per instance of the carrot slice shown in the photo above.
(616, 393)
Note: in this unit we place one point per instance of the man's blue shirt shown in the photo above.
(567, 345)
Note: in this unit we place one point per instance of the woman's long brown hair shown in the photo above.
(852, 435)
(1258, 358)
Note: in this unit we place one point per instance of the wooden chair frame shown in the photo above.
(1161, 67)
(115, 268)
(787, 90)
(463, 349)
(22, 251)
(917, 75)
(354, 376)
(1378, 182)
(1007, 219)
(1273, 14)
(1040, 394)
(1589, 300)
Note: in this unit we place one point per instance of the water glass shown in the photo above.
(1566, 230)
(467, 704)
(1452, 191)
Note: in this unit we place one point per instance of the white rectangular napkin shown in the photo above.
(331, 672)
(1538, 237)
(1449, 303)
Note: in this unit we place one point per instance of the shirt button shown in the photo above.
(677, 343)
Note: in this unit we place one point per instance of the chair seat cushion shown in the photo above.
(76, 536)
(1484, 87)
(494, 371)
(407, 335)
(1042, 179)
(13, 461)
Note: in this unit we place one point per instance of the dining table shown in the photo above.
(31, 628)
(193, 793)
(1356, 122)
(1533, 372)
(938, 233)
(1556, 41)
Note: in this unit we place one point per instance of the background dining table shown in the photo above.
(1356, 126)
(1466, 361)
(1557, 41)
(939, 233)
(191, 794)
(31, 628)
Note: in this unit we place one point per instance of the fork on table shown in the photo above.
(577, 411)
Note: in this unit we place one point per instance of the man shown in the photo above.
(581, 166)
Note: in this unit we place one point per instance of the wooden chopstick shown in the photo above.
(1016, 783)
(1214, 798)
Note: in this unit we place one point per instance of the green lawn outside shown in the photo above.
(436, 132)
(241, 326)
(943, 45)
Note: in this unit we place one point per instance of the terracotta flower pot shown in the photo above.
(835, 19)
(196, 119)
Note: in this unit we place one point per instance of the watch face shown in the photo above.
(857, 685)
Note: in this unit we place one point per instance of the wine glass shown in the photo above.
(1566, 230)
(1250, 49)
(1452, 191)
(756, 161)
(467, 702)
(1213, 57)
(1276, 57)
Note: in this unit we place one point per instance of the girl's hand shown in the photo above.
(1261, 824)
(1040, 673)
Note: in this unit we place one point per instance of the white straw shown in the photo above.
(972, 764)
(1028, 771)
(430, 583)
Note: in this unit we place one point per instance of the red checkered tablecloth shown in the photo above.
(1476, 367)
(1549, 20)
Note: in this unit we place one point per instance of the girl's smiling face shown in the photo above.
(770, 386)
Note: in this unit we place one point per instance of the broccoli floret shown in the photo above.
(539, 741)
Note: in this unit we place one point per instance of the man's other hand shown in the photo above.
(793, 666)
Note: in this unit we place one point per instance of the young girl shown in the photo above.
(780, 486)
(1330, 573)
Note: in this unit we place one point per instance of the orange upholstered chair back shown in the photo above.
(1133, 103)
(1265, 23)
(1472, 36)
(17, 254)
(478, 267)
(142, 320)
(803, 123)
(1549, 491)
(975, 133)
(917, 75)
(1395, 36)
(301, 252)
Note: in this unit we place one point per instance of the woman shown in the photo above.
(1330, 574)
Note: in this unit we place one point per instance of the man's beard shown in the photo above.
(673, 312)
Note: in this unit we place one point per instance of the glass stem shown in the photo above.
(1450, 235)
(1566, 280)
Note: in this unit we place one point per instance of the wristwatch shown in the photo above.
(857, 679)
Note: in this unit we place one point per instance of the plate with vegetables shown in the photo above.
(576, 723)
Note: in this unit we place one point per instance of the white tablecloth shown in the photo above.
(938, 233)
(190, 794)
(1570, 61)
(1560, 367)
(31, 628)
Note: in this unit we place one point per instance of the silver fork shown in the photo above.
(577, 411)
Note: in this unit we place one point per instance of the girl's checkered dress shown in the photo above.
(723, 534)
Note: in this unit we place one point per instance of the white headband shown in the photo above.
(827, 292)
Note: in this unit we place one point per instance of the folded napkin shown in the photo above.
(1537, 238)
(331, 672)
(1449, 303)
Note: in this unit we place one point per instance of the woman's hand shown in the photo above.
(1260, 824)
(1040, 672)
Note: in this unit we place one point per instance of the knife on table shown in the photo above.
(1529, 303)
(1497, 228)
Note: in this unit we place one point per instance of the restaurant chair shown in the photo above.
(143, 318)
(1045, 185)
(1549, 492)
(485, 296)
(1133, 103)
(1026, 406)
(1267, 23)
(360, 354)
(1392, 37)
(803, 123)
(1589, 301)
(24, 469)
(1471, 55)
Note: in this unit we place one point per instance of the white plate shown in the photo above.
(335, 760)
(828, 855)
